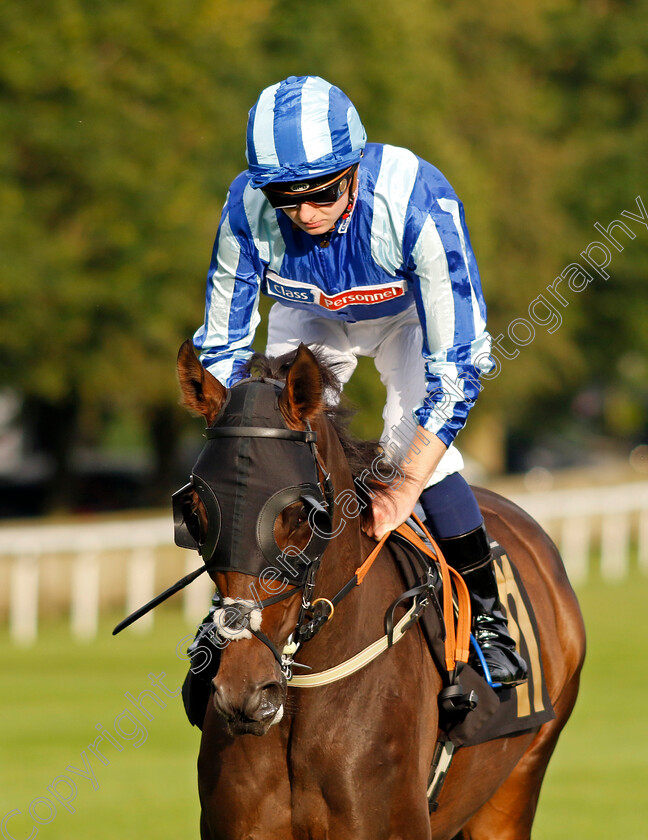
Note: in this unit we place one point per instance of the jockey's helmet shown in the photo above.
(301, 130)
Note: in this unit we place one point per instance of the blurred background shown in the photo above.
(121, 127)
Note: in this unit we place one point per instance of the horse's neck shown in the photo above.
(346, 546)
(350, 546)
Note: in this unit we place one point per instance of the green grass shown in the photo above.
(54, 694)
(597, 782)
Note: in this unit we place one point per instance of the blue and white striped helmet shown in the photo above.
(302, 127)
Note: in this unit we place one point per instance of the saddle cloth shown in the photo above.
(506, 711)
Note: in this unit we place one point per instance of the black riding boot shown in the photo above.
(470, 555)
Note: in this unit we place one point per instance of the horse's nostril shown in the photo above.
(221, 702)
(271, 687)
(262, 703)
(270, 700)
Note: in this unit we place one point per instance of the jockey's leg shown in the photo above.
(450, 507)
(454, 519)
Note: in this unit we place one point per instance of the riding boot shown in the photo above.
(471, 556)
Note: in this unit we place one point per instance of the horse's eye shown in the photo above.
(292, 520)
(298, 518)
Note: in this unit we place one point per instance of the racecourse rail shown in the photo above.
(87, 569)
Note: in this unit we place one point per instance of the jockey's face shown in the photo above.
(317, 219)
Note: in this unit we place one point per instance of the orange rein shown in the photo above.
(456, 642)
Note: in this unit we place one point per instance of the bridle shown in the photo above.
(311, 617)
(318, 498)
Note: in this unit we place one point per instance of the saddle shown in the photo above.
(498, 713)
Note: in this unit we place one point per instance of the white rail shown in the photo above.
(584, 522)
(88, 551)
(137, 557)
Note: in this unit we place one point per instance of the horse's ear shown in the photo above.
(301, 399)
(202, 393)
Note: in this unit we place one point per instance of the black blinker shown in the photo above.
(185, 521)
(318, 516)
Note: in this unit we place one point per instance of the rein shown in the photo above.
(456, 642)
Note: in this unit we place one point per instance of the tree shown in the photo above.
(123, 124)
(113, 117)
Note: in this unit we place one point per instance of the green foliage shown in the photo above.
(597, 62)
(104, 170)
(122, 125)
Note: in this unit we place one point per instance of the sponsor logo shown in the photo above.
(361, 297)
(280, 290)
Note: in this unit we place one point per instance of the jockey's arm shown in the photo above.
(392, 508)
(452, 312)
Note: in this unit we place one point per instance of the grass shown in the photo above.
(597, 782)
(56, 693)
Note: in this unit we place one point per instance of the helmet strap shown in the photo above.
(344, 220)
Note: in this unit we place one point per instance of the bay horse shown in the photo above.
(350, 761)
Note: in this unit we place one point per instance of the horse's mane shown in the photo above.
(359, 453)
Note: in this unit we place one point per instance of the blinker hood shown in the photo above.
(251, 468)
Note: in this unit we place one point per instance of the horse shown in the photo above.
(351, 759)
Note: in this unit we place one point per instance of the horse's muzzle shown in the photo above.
(253, 713)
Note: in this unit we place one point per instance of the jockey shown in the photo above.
(365, 251)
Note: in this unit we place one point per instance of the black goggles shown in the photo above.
(325, 190)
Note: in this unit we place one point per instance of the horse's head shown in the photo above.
(258, 508)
